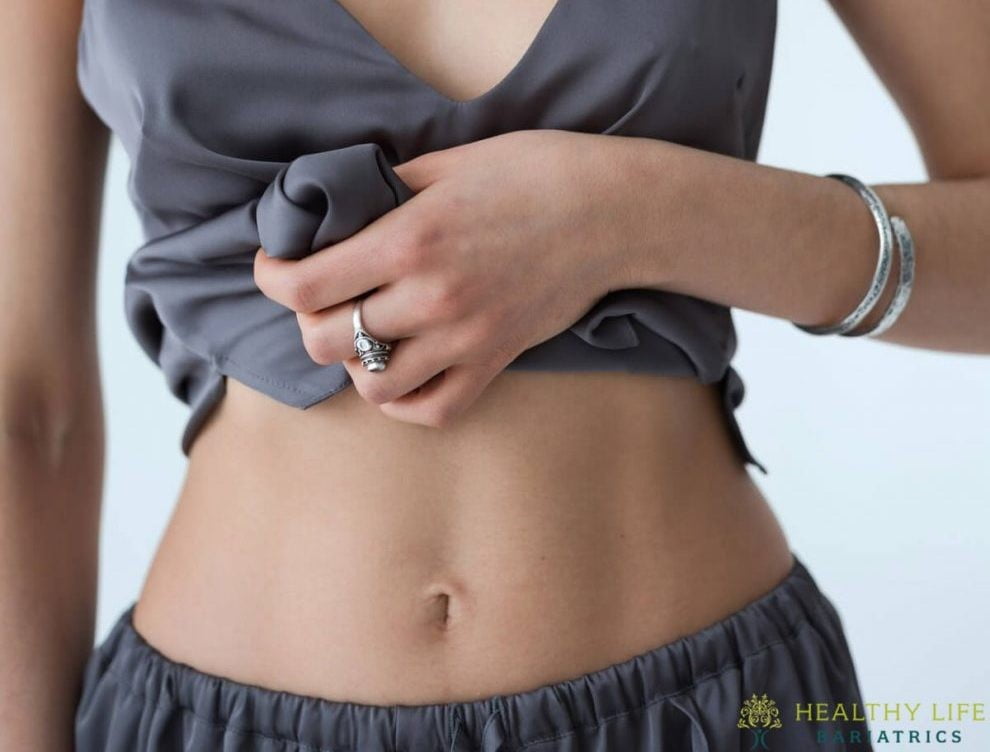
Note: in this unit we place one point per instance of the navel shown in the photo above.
(445, 606)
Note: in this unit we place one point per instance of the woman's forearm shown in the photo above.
(52, 162)
(804, 247)
(49, 524)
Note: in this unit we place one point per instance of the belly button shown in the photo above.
(444, 607)
(443, 614)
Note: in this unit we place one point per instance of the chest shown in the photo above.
(462, 49)
(234, 88)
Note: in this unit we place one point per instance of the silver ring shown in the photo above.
(373, 353)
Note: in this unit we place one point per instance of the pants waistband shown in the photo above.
(508, 721)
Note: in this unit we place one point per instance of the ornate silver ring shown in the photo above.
(374, 354)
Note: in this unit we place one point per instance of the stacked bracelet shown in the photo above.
(905, 245)
(890, 229)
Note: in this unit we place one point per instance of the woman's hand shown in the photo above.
(507, 242)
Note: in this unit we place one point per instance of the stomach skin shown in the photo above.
(563, 523)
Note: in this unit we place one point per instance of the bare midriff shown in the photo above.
(565, 522)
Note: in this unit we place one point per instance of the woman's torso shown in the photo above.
(565, 522)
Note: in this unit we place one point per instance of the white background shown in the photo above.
(878, 454)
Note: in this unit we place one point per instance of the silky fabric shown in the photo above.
(685, 696)
(256, 123)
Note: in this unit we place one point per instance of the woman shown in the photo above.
(530, 524)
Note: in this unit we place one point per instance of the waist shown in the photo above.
(565, 522)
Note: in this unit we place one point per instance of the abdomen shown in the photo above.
(567, 521)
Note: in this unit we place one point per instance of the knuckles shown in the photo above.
(472, 337)
(299, 291)
(317, 347)
(438, 416)
(376, 390)
(414, 248)
(287, 283)
(444, 300)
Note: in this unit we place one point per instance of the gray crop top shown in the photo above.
(277, 122)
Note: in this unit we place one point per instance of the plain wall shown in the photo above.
(877, 453)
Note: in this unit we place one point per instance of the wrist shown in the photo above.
(645, 207)
(611, 180)
(734, 232)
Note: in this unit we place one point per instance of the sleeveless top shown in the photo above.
(254, 123)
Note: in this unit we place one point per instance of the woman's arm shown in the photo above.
(510, 239)
(803, 247)
(52, 160)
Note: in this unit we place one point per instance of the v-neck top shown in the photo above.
(254, 123)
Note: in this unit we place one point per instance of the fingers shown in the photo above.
(334, 274)
(427, 168)
(443, 398)
(328, 337)
(416, 303)
(389, 314)
(413, 362)
(371, 257)
(426, 381)
(431, 378)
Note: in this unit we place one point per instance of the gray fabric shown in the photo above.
(685, 696)
(252, 122)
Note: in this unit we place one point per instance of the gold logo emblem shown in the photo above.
(759, 715)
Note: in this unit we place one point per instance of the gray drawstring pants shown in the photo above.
(739, 684)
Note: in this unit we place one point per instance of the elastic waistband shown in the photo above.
(507, 721)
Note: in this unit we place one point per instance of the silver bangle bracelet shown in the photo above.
(905, 280)
(882, 271)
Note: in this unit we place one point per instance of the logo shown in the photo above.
(759, 715)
